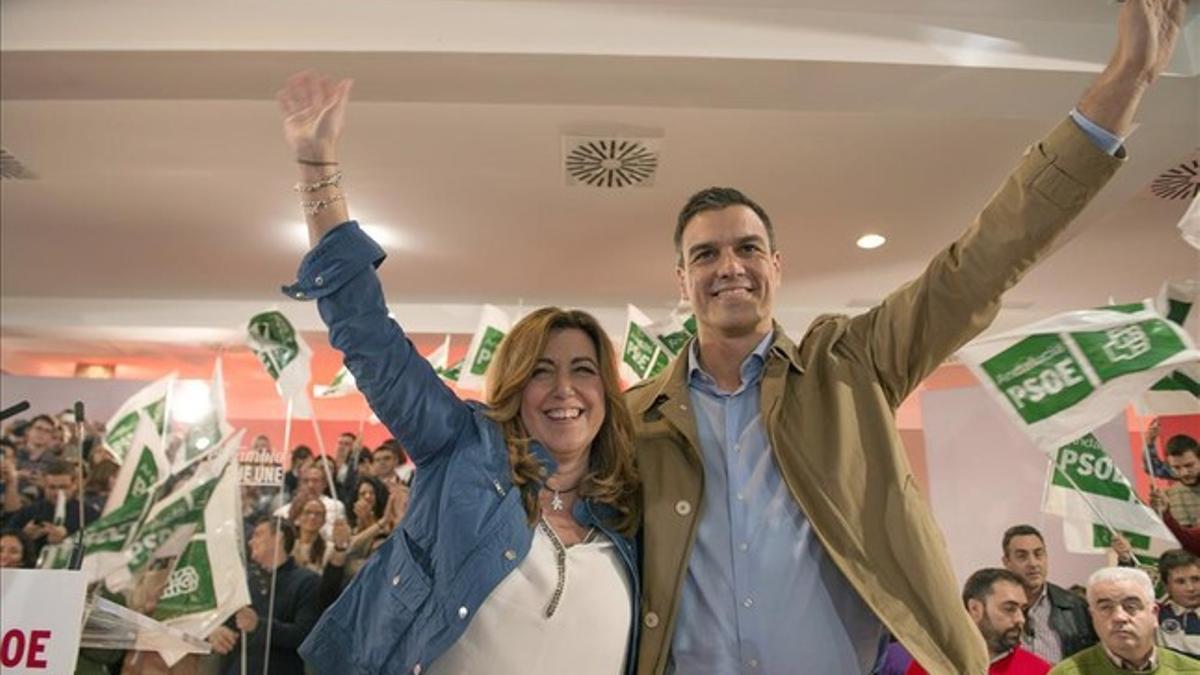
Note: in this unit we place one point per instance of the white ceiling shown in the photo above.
(162, 211)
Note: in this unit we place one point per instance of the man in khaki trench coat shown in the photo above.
(783, 531)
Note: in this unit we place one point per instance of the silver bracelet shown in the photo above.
(314, 207)
(332, 180)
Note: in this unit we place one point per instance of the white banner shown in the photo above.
(41, 619)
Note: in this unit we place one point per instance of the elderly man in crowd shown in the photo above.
(1121, 602)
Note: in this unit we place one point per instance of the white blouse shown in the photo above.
(529, 625)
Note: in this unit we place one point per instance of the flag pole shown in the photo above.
(271, 599)
(321, 448)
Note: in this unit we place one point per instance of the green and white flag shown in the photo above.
(343, 384)
(649, 346)
(642, 355)
(149, 403)
(135, 486)
(440, 360)
(1059, 378)
(206, 433)
(208, 582)
(147, 467)
(494, 324)
(286, 357)
(1179, 392)
(674, 332)
(173, 519)
(1086, 487)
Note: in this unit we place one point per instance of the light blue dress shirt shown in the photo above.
(760, 595)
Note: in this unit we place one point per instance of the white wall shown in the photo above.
(984, 477)
(51, 395)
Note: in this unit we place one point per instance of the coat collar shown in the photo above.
(671, 385)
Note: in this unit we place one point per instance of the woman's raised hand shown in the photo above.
(314, 110)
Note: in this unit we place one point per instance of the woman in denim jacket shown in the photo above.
(517, 551)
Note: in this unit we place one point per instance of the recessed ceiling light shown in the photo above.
(870, 241)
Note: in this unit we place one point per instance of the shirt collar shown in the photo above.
(1180, 609)
(1122, 664)
(751, 367)
(1004, 655)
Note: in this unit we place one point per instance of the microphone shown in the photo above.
(77, 553)
(14, 410)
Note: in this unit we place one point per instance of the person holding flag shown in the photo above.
(516, 553)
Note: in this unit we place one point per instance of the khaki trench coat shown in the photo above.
(829, 406)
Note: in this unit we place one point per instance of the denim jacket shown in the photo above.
(465, 528)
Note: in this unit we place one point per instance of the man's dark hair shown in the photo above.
(283, 528)
(43, 418)
(393, 446)
(1020, 531)
(348, 434)
(1180, 444)
(716, 198)
(1174, 559)
(301, 452)
(980, 584)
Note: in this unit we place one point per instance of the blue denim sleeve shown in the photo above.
(1103, 138)
(402, 388)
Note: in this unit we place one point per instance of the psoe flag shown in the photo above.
(1060, 378)
(1087, 489)
(342, 384)
(285, 355)
(151, 403)
(494, 324)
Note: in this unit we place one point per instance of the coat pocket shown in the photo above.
(380, 606)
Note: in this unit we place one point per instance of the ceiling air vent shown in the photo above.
(1181, 181)
(11, 168)
(592, 161)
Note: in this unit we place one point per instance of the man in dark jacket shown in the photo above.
(296, 608)
(1058, 623)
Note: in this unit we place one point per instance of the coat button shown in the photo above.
(510, 554)
(320, 280)
(396, 580)
(683, 507)
(462, 612)
(651, 620)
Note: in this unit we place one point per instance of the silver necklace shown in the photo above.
(556, 502)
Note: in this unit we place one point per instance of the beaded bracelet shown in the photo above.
(332, 180)
(314, 207)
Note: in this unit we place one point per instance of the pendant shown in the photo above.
(557, 502)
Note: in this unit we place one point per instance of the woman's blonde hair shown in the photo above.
(611, 478)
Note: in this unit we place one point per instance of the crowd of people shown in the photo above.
(311, 534)
(317, 538)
